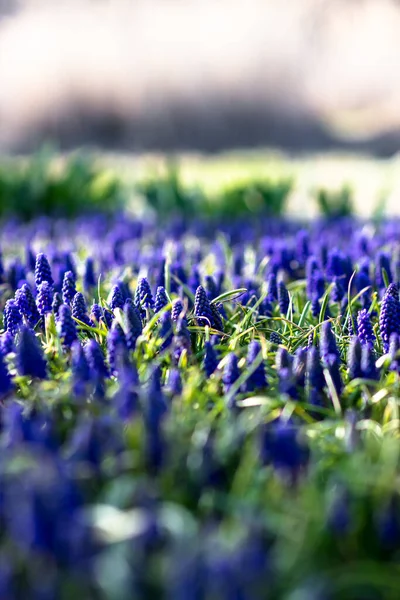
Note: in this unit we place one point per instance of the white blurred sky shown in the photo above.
(337, 59)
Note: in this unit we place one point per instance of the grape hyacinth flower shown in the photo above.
(287, 383)
(339, 518)
(69, 263)
(89, 278)
(283, 298)
(181, 339)
(354, 358)
(174, 383)
(265, 308)
(80, 370)
(382, 263)
(368, 366)
(362, 281)
(257, 379)
(334, 266)
(302, 246)
(315, 380)
(133, 324)
(394, 347)
(30, 359)
(217, 322)
(210, 361)
(275, 338)
(332, 363)
(12, 317)
(311, 270)
(231, 372)
(281, 446)
(56, 303)
(165, 330)
(161, 299)
(68, 288)
(116, 298)
(389, 319)
(7, 343)
(319, 285)
(27, 305)
(315, 306)
(116, 343)
(143, 295)
(299, 366)
(44, 298)
(211, 288)
(124, 289)
(154, 412)
(337, 291)
(177, 310)
(272, 288)
(79, 309)
(327, 341)
(364, 328)
(29, 258)
(96, 313)
(202, 308)
(42, 270)
(283, 359)
(126, 399)
(107, 318)
(16, 275)
(6, 384)
(95, 358)
(194, 280)
(66, 326)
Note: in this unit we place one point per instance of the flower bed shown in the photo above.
(199, 410)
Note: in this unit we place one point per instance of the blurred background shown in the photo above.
(307, 90)
(149, 75)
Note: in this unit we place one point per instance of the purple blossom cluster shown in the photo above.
(131, 357)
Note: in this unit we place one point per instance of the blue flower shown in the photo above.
(282, 447)
(116, 344)
(231, 371)
(283, 298)
(66, 326)
(315, 380)
(161, 299)
(79, 309)
(257, 379)
(177, 310)
(210, 361)
(143, 295)
(116, 299)
(42, 270)
(327, 341)
(80, 370)
(133, 324)
(354, 358)
(389, 318)
(202, 308)
(89, 277)
(30, 359)
(68, 288)
(44, 298)
(174, 383)
(6, 384)
(12, 317)
(364, 328)
(25, 301)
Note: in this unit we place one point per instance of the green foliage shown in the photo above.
(167, 196)
(335, 204)
(39, 186)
